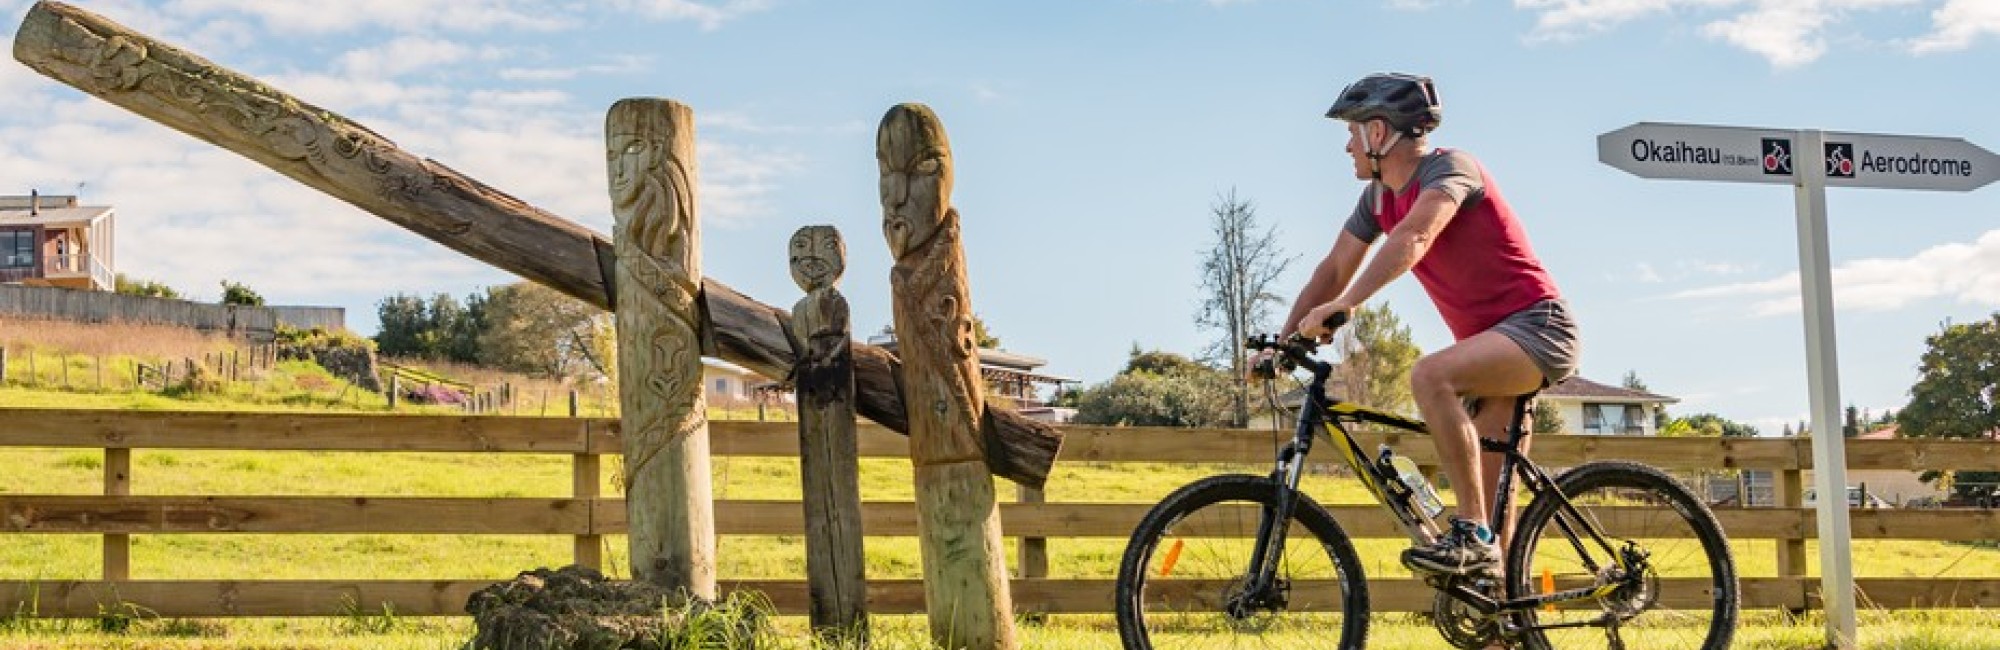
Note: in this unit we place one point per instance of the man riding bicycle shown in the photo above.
(1445, 219)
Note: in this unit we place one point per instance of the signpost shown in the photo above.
(1810, 161)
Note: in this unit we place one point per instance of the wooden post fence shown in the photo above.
(829, 467)
(1081, 517)
(117, 483)
(657, 236)
(958, 515)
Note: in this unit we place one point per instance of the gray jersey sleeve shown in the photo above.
(1455, 173)
(1362, 223)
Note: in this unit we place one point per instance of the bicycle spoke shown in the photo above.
(1215, 532)
(1675, 603)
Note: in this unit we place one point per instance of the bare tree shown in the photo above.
(1236, 276)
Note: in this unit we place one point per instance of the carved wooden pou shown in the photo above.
(828, 460)
(351, 162)
(958, 519)
(649, 152)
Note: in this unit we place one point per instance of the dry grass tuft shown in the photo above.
(110, 339)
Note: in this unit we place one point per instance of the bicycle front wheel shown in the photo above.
(1680, 590)
(1183, 582)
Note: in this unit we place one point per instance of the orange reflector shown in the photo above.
(1173, 556)
(1548, 587)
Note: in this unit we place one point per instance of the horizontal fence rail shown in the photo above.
(587, 517)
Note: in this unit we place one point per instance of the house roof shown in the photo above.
(1576, 387)
(22, 216)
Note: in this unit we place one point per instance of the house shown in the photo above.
(1592, 408)
(51, 241)
(729, 385)
(1011, 377)
(1894, 486)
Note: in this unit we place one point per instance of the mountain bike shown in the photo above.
(1607, 554)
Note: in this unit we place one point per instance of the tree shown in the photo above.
(1957, 395)
(1159, 389)
(536, 330)
(1376, 355)
(240, 294)
(1851, 426)
(1633, 382)
(1548, 419)
(144, 288)
(1236, 276)
(1709, 424)
(404, 321)
(983, 337)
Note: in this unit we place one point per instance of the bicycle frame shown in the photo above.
(1320, 413)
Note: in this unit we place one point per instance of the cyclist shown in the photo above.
(1447, 221)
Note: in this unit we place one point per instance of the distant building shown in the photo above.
(731, 385)
(1012, 377)
(50, 241)
(1592, 408)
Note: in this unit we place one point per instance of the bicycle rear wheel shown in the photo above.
(1187, 563)
(1685, 595)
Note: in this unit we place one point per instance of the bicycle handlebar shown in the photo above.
(1294, 351)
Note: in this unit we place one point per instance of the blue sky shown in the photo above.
(1091, 138)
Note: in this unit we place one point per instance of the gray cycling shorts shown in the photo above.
(1547, 333)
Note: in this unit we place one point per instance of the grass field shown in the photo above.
(57, 557)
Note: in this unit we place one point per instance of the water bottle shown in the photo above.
(1422, 495)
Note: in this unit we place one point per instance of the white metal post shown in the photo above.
(1822, 371)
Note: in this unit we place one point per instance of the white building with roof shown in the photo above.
(1589, 407)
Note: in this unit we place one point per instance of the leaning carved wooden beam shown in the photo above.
(349, 162)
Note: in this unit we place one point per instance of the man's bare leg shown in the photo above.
(1486, 364)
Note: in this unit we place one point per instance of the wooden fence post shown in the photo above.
(395, 386)
(117, 482)
(1790, 489)
(34, 376)
(574, 405)
(585, 475)
(958, 515)
(669, 498)
(1034, 550)
(829, 464)
(3, 365)
(65, 367)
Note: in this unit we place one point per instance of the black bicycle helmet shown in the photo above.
(1408, 102)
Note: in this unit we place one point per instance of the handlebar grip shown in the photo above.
(1335, 321)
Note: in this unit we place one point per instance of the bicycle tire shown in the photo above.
(1683, 539)
(1157, 612)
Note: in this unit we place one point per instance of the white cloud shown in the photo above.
(1967, 273)
(1788, 33)
(402, 56)
(394, 15)
(1958, 23)
(627, 64)
(710, 15)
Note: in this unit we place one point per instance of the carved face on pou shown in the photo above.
(818, 257)
(916, 165)
(649, 188)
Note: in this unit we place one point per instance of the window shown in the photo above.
(722, 386)
(1635, 419)
(17, 248)
(1608, 418)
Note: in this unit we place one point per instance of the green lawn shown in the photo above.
(78, 471)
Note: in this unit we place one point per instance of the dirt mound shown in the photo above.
(577, 607)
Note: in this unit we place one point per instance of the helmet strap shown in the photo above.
(1375, 155)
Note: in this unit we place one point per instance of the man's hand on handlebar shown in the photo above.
(1320, 323)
